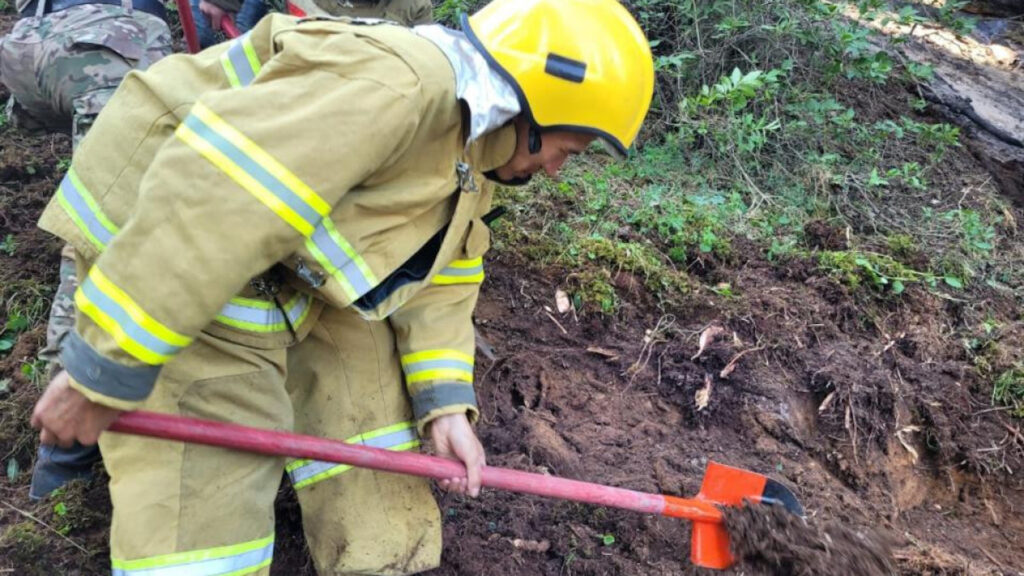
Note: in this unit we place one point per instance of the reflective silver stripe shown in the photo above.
(126, 321)
(266, 316)
(434, 397)
(254, 170)
(246, 559)
(340, 261)
(95, 223)
(462, 271)
(240, 62)
(423, 365)
(301, 475)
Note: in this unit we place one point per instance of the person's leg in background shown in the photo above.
(250, 13)
(67, 82)
(207, 36)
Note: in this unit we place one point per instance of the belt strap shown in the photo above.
(42, 7)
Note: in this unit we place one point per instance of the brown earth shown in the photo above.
(871, 412)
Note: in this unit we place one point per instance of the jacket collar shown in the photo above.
(491, 99)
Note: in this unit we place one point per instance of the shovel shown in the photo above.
(723, 485)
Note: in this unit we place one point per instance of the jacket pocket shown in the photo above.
(123, 35)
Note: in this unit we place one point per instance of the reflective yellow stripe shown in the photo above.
(134, 330)
(461, 272)
(445, 280)
(306, 471)
(440, 374)
(240, 63)
(253, 169)
(442, 354)
(81, 207)
(264, 317)
(234, 560)
(437, 365)
(472, 263)
(137, 313)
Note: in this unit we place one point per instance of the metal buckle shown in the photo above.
(312, 277)
(467, 183)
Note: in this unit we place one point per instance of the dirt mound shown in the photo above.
(771, 541)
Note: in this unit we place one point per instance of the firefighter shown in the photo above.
(285, 231)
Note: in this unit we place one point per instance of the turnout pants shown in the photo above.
(198, 510)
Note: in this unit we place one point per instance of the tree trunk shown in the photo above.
(1000, 8)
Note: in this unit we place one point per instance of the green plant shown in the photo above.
(9, 245)
(448, 11)
(16, 323)
(1008, 390)
(950, 16)
(34, 371)
(878, 271)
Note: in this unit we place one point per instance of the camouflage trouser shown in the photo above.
(62, 68)
(62, 313)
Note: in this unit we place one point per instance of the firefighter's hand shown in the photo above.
(454, 438)
(215, 14)
(64, 415)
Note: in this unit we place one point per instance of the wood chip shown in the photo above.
(609, 354)
(562, 301)
(532, 545)
(703, 396)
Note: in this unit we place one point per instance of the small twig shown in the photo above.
(557, 323)
(987, 410)
(1015, 431)
(47, 526)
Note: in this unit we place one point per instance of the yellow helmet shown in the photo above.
(577, 65)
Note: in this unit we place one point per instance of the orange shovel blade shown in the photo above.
(727, 486)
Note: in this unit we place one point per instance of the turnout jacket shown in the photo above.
(331, 150)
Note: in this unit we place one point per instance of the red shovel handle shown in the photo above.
(277, 443)
(228, 27)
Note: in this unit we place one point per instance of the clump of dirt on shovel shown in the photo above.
(771, 541)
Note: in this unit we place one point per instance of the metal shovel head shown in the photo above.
(727, 486)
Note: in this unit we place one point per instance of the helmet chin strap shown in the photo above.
(533, 141)
(533, 144)
(493, 176)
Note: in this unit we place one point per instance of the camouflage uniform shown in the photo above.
(61, 68)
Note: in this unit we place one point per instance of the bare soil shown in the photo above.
(871, 411)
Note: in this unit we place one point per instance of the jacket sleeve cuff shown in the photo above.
(102, 380)
(441, 399)
(108, 401)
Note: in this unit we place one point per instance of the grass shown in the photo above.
(1008, 390)
(748, 145)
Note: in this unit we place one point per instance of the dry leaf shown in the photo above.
(706, 338)
(703, 396)
(827, 402)
(562, 301)
(532, 545)
(899, 435)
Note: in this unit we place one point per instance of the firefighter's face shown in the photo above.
(555, 149)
